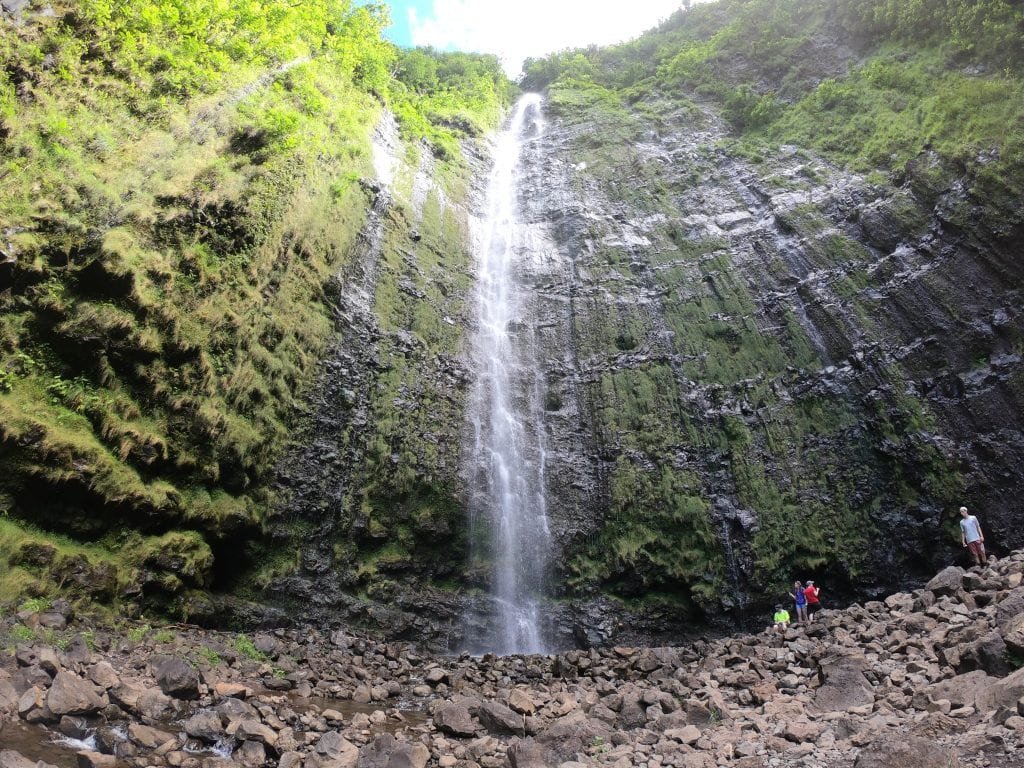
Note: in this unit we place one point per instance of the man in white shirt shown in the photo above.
(972, 537)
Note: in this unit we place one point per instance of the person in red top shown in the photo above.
(811, 592)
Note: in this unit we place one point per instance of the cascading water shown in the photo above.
(507, 458)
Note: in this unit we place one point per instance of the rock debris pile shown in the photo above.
(928, 679)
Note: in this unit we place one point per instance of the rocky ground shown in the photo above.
(925, 679)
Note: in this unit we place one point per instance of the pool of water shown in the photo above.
(37, 743)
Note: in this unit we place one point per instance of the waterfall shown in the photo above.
(506, 463)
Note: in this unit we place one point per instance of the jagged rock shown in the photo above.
(905, 752)
(177, 678)
(71, 695)
(148, 736)
(499, 719)
(962, 690)
(526, 753)
(334, 751)
(103, 674)
(8, 696)
(843, 683)
(204, 725)
(455, 719)
(251, 729)
(90, 759)
(9, 758)
(1001, 693)
(252, 754)
(568, 736)
(988, 653)
(386, 752)
(948, 581)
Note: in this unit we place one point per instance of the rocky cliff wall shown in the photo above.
(787, 371)
(757, 369)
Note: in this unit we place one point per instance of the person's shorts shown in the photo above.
(977, 548)
(813, 608)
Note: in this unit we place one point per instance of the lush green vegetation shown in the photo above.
(180, 182)
(869, 84)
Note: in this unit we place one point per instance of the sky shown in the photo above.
(516, 30)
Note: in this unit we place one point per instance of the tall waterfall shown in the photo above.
(507, 460)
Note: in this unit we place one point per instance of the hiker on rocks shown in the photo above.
(781, 618)
(799, 601)
(972, 537)
(811, 593)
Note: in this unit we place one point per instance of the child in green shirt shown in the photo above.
(781, 618)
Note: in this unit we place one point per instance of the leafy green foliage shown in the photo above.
(179, 186)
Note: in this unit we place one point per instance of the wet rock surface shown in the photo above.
(883, 683)
(789, 346)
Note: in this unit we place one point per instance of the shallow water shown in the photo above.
(37, 743)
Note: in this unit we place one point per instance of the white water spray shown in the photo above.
(507, 468)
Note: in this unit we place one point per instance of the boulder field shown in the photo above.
(927, 679)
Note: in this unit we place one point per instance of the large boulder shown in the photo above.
(72, 695)
(571, 735)
(948, 581)
(11, 759)
(385, 751)
(905, 751)
(526, 753)
(1001, 693)
(499, 719)
(333, 751)
(962, 690)
(454, 719)
(843, 683)
(177, 678)
(987, 653)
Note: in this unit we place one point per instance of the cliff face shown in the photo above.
(786, 371)
(757, 369)
(234, 326)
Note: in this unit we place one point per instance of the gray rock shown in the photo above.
(335, 751)
(104, 676)
(568, 736)
(905, 751)
(266, 644)
(387, 752)
(988, 653)
(14, 7)
(252, 754)
(948, 581)
(251, 729)
(205, 725)
(455, 719)
(90, 759)
(72, 695)
(177, 678)
(526, 753)
(11, 759)
(843, 683)
(499, 719)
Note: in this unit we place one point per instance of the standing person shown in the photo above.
(972, 537)
(811, 593)
(800, 601)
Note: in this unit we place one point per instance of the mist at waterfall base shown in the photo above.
(506, 457)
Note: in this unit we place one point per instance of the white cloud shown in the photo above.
(516, 30)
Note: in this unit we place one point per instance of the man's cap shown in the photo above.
(809, 581)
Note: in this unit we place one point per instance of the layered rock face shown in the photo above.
(756, 369)
(782, 368)
(923, 679)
